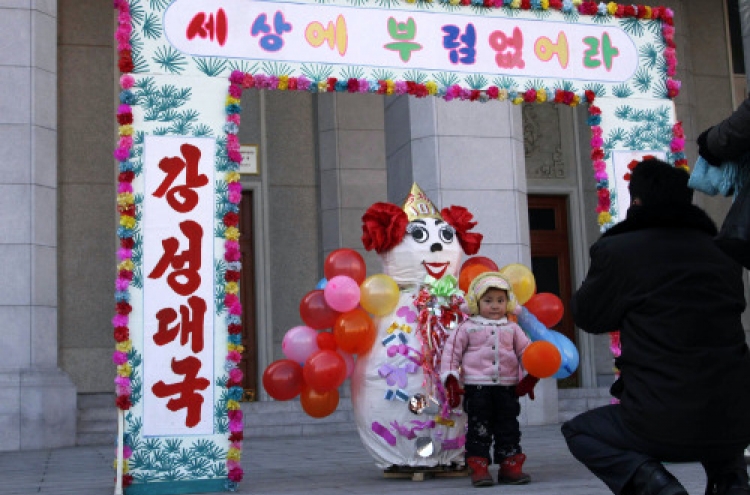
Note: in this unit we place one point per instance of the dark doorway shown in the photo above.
(550, 259)
(249, 363)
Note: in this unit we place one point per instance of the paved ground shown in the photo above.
(319, 465)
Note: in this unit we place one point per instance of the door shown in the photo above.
(249, 363)
(550, 259)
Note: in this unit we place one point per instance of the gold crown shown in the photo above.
(418, 205)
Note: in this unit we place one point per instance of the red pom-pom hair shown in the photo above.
(460, 219)
(383, 227)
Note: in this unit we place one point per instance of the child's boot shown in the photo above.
(478, 469)
(511, 470)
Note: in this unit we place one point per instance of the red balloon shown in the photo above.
(319, 404)
(283, 379)
(547, 307)
(355, 331)
(480, 260)
(346, 262)
(326, 340)
(315, 312)
(324, 370)
(468, 274)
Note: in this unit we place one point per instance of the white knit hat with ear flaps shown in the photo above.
(482, 283)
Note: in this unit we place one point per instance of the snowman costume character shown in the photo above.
(399, 402)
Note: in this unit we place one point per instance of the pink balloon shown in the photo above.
(349, 360)
(342, 293)
(299, 342)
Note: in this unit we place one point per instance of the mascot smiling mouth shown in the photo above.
(436, 270)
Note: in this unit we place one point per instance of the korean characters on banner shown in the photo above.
(178, 292)
(401, 39)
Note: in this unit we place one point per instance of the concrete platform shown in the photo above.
(333, 464)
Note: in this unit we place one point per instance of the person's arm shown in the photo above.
(596, 306)
(729, 139)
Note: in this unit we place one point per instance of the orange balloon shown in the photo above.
(354, 331)
(541, 359)
(469, 273)
(318, 404)
(480, 260)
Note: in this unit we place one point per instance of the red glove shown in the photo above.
(526, 386)
(453, 391)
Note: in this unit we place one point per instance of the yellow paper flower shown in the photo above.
(648, 11)
(125, 199)
(233, 405)
(125, 467)
(231, 288)
(515, 4)
(236, 347)
(232, 100)
(541, 95)
(502, 94)
(577, 3)
(232, 233)
(612, 8)
(576, 101)
(322, 86)
(390, 87)
(545, 4)
(124, 346)
(124, 369)
(518, 100)
(283, 82)
(127, 221)
(604, 218)
(233, 454)
(125, 265)
(432, 88)
(233, 176)
(126, 130)
(455, 2)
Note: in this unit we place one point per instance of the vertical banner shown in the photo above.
(178, 346)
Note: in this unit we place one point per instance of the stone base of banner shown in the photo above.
(177, 487)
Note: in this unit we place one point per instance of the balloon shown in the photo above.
(568, 353)
(282, 379)
(532, 326)
(522, 280)
(315, 312)
(319, 404)
(468, 274)
(322, 283)
(324, 370)
(379, 294)
(326, 340)
(347, 262)
(480, 260)
(354, 331)
(547, 307)
(299, 342)
(541, 359)
(349, 360)
(342, 293)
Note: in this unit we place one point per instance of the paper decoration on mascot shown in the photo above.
(400, 405)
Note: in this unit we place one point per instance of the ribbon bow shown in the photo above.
(445, 287)
(396, 375)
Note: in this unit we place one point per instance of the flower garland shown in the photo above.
(126, 209)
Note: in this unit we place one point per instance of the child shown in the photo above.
(488, 348)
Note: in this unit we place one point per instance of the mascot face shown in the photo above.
(417, 240)
(430, 247)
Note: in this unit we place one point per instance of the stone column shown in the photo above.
(37, 400)
(469, 154)
(351, 156)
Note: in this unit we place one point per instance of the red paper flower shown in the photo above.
(383, 227)
(123, 402)
(231, 219)
(232, 276)
(461, 219)
(127, 242)
(125, 118)
(122, 334)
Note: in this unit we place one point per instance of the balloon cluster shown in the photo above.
(550, 353)
(337, 325)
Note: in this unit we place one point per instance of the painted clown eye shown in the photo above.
(417, 232)
(447, 233)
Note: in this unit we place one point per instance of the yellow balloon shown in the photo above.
(379, 294)
(521, 279)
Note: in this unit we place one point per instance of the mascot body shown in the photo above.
(400, 405)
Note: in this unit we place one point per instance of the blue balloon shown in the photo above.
(322, 283)
(532, 326)
(568, 354)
